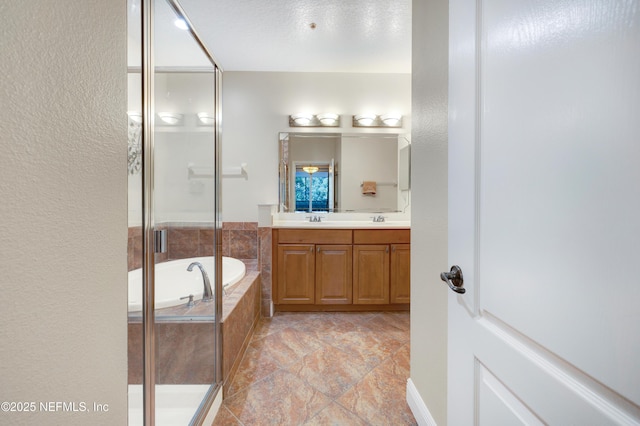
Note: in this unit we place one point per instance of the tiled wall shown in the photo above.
(185, 352)
(186, 348)
(238, 322)
(264, 238)
(241, 240)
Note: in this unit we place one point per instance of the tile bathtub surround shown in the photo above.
(323, 368)
(241, 312)
(185, 351)
(239, 240)
(264, 259)
(186, 347)
(134, 248)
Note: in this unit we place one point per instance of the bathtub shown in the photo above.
(173, 281)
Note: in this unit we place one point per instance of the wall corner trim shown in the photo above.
(418, 407)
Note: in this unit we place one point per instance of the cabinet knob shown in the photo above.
(386, 249)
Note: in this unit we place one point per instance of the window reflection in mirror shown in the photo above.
(313, 187)
(344, 162)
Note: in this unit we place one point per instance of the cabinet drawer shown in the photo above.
(315, 236)
(381, 236)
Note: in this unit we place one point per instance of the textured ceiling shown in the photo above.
(276, 35)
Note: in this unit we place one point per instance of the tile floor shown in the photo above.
(330, 368)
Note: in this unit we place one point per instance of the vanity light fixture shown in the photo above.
(364, 120)
(300, 119)
(372, 120)
(206, 118)
(327, 119)
(170, 118)
(391, 120)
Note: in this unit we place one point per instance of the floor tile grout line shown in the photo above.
(359, 380)
(298, 326)
(333, 399)
(260, 380)
(244, 355)
(351, 411)
(235, 417)
(286, 370)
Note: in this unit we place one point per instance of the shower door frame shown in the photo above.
(148, 218)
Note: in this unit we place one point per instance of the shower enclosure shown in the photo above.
(173, 317)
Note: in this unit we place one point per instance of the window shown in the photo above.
(313, 190)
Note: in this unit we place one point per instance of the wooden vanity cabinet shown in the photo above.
(371, 274)
(341, 269)
(313, 266)
(334, 274)
(381, 266)
(400, 284)
(296, 273)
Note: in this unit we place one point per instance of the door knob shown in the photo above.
(454, 279)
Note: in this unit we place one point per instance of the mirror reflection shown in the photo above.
(336, 172)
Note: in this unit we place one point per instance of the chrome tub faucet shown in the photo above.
(207, 295)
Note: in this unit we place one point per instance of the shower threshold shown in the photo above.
(175, 404)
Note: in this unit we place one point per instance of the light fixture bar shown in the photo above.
(328, 119)
(373, 120)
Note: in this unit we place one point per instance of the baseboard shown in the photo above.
(418, 407)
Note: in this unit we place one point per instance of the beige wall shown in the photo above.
(256, 106)
(429, 205)
(63, 191)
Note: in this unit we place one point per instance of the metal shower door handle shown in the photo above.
(454, 279)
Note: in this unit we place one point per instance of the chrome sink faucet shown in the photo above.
(378, 218)
(207, 296)
(315, 218)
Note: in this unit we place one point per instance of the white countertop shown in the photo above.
(342, 224)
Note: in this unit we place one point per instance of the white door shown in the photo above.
(544, 212)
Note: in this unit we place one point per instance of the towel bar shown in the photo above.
(203, 172)
(383, 184)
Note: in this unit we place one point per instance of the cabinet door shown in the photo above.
(296, 270)
(371, 274)
(334, 274)
(400, 289)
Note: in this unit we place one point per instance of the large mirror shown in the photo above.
(339, 172)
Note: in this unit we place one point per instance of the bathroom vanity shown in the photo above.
(343, 261)
(332, 267)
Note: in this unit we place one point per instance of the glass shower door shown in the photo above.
(178, 321)
(184, 212)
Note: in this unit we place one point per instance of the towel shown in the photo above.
(368, 187)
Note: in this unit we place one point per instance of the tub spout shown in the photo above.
(207, 295)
